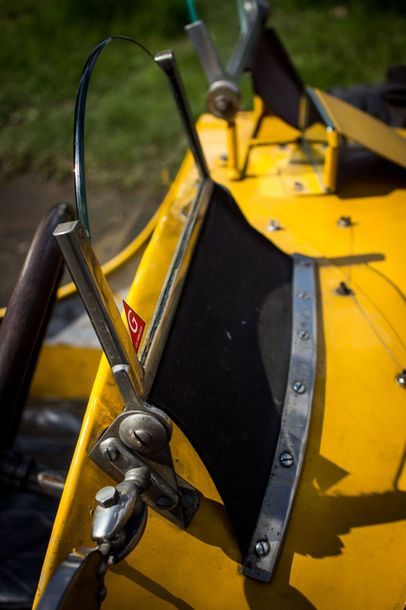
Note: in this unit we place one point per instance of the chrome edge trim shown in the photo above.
(283, 481)
(166, 306)
(99, 302)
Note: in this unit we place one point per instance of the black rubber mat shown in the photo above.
(223, 373)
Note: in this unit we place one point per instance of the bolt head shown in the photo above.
(262, 548)
(298, 387)
(286, 459)
(107, 496)
(401, 379)
(112, 454)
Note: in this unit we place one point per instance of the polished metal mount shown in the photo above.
(277, 504)
(96, 295)
(119, 450)
(140, 435)
(223, 97)
(121, 515)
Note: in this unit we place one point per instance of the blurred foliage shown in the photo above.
(163, 18)
(44, 45)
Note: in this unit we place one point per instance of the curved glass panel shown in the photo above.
(134, 145)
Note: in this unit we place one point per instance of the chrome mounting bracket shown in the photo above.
(140, 435)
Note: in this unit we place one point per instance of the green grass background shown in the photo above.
(131, 122)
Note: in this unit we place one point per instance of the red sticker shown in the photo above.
(135, 325)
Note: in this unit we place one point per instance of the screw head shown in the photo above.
(107, 496)
(345, 221)
(286, 459)
(304, 296)
(303, 334)
(274, 225)
(299, 387)
(112, 454)
(298, 186)
(262, 548)
(401, 379)
(144, 433)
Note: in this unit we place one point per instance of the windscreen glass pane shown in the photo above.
(135, 144)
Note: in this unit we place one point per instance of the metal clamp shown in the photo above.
(121, 515)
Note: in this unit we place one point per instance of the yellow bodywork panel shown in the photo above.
(65, 372)
(345, 543)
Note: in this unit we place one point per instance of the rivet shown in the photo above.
(112, 454)
(298, 387)
(286, 459)
(304, 296)
(262, 548)
(303, 334)
(401, 379)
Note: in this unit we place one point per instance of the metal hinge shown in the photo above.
(140, 435)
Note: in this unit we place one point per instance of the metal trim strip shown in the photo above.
(273, 520)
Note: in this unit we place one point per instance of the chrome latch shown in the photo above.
(121, 515)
